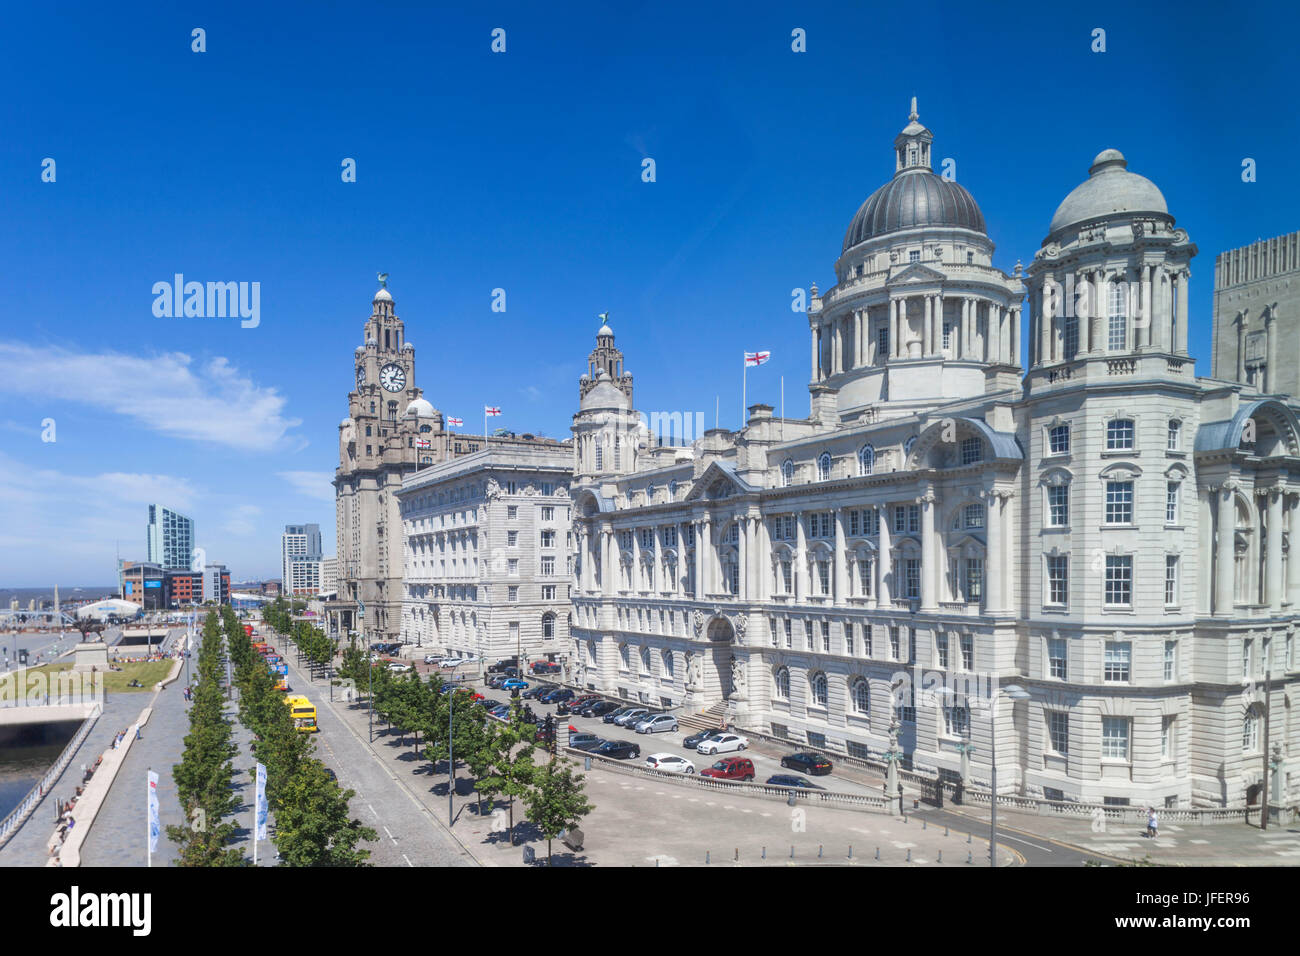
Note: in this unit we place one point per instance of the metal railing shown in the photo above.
(10, 824)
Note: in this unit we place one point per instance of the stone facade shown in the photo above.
(486, 553)
(1257, 315)
(1104, 530)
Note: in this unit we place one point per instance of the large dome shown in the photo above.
(913, 199)
(1109, 190)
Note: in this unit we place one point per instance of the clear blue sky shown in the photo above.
(520, 171)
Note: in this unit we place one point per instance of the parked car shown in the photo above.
(496, 681)
(397, 668)
(632, 716)
(810, 763)
(723, 743)
(575, 705)
(546, 667)
(669, 763)
(656, 723)
(614, 715)
(500, 667)
(514, 683)
(600, 708)
(730, 768)
(555, 696)
(695, 739)
(432, 659)
(537, 691)
(792, 780)
(618, 750)
(585, 741)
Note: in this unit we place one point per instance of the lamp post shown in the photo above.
(1014, 692)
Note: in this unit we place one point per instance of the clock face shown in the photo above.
(361, 375)
(392, 377)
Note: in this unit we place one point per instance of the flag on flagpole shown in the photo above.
(155, 826)
(756, 358)
(455, 422)
(492, 411)
(261, 802)
(422, 443)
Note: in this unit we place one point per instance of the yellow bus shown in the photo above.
(303, 712)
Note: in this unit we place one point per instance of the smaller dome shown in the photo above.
(360, 350)
(382, 296)
(345, 423)
(408, 347)
(419, 408)
(603, 395)
(1109, 190)
(605, 330)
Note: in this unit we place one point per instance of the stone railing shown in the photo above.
(10, 824)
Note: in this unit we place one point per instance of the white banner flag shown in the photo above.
(261, 802)
(155, 826)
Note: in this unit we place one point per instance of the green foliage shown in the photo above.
(556, 801)
(507, 759)
(313, 825)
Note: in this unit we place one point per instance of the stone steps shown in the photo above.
(703, 720)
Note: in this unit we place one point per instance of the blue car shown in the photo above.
(514, 683)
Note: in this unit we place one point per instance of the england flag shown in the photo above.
(756, 358)
(422, 443)
(492, 411)
(455, 422)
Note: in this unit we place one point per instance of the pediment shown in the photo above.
(916, 273)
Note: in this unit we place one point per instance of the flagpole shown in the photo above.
(148, 819)
(782, 408)
(744, 389)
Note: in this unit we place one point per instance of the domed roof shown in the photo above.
(914, 198)
(605, 330)
(383, 296)
(604, 394)
(419, 408)
(1109, 190)
(408, 347)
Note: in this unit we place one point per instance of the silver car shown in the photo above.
(656, 723)
(629, 719)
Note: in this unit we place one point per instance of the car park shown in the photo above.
(697, 738)
(730, 768)
(723, 743)
(809, 763)
(794, 781)
(575, 705)
(669, 763)
(655, 724)
(600, 708)
(618, 750)
(631, 717)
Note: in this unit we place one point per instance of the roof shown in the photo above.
(1109, 190)
(914, 198)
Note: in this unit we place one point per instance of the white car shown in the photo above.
(432, 659)
(722, 744)
(655, 723)
(669, 763)
(397, 668)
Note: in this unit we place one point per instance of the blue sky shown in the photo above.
(519, 171)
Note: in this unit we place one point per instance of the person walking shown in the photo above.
(1152, 823)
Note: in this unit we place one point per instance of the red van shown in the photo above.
(731, 768)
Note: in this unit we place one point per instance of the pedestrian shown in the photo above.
(1153, 824)
(137, 731)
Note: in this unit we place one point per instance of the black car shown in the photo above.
(815, 764)
(576, 705)
(536, 693)
(585, 741)
(500, 667)
(615, 714)
(600, 708)
(695, 739)
(618, 750)
(555, 696)
(791, 780)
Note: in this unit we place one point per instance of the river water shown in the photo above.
(25, 754)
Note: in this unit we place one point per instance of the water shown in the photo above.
(26, 752)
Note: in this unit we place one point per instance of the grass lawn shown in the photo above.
(38, 681)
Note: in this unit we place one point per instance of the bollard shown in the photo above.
(737, 854)
(968, 856)
(945, 831)
(850, 851)
(819, 851)
(706, 857)
(877, 853)
(941, 856)
(792, 851)
(968, 838)
(909, 856)
(764, 853)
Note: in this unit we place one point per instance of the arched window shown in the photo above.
(672, 490)
(817, 687)
(860, 696)
(666, 658)
(548, 626)
(824, 467)
(866, 460)
(787, 473)
(781, 683)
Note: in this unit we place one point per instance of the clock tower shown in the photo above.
(390, 432)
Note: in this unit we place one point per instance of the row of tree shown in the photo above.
(313, 823)
(446, 721)
(311, 641)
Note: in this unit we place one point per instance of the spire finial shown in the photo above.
(913, 115)
(383, 280)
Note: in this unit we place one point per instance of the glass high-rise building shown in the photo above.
(171, 538)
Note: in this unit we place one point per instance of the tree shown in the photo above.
(314, 826)
(508, 759)
(556, 801)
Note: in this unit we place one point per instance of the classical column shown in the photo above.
(800, 554)
(1045, 310)
(765, 569)
(1183, 318)
(1273, 556)
(883, 562)
(812, 334)
(742, 576)
(634, 576)
(837, 347)
(993, 555)
(929, 554)
(1270, 354)
(705, 558)
(1015, 336)
(1142, 331)
(927, 340)
(993, 335)
(1085, 321)
(607, 562)
(1223, 555)
(841, 578)
(1293, 552)
(893, 329)
(1240, 322)
(938, 323)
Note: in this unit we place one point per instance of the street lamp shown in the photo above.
(1014, 692)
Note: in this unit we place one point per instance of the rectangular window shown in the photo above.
(824, 577)
(771, 626)
(1167, 748)
(1117, 340)
(882, 343)
(967, 652)
(913, 519)
(512, 567)
(1058, 440)
(1071, 337)
(941, 650)
(514, 632)
(512, 512)
(1119, 435)
(548, 592)
(826, 637)
(1119, 502)
(848, 638)
(1058, 730)
(787, 576)
(871, 522)
(1058, 579)
(807, 636)
(912, 578)
(548, 566)
(973, 585)
(973, 516)
(548, 513)
(865, 576)
(1171, 651)
(1247, 652)
(971, 451)
(512, 593)
(1171, 502)
(1118, 661)
(866, 640)
(947, 336)
(1172, 441)
(900, 519)
(853, 523)
(1058, 506)
(893, 644)
(1119, 580)
(789, 634)
(1114, 738)
(548, 539)
(512, 539)
(647, 536)
(1056, 658)
(1171, 579)
(914, 255)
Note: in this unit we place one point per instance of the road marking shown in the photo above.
(390, 834)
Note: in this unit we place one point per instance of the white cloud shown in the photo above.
(312, 484)
(164, 393)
